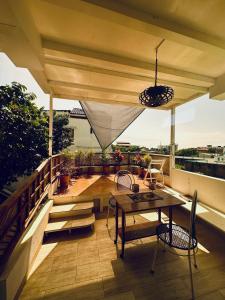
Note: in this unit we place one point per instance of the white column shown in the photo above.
(172, 138)
(50, 134)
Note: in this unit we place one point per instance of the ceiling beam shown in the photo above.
(128, 16)
(178, 102)
(218, 90)
(93, 69)
(75, 97)
(121, 60)
(87, 98)
(20, 40)
(25, 22)
(145, 22)
(54, 83)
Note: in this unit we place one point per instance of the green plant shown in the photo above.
(118, 156)
(89, 158)
(23, 133)
(147, 159)
(67, 163)
(139, 160)
(105, 158)
(79, 158)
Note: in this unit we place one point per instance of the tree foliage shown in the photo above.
(131, 148)
(187, 152)
(62, 135)
(23, 133)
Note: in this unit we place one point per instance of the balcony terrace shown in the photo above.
(102, 53)
(86, 265)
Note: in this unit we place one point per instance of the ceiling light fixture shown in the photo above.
(159, 94)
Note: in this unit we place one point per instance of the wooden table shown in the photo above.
(128, 206)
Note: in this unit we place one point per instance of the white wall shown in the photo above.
(83, 139)
(211, 191)
(23, 256)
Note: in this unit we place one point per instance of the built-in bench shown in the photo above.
(203, 211)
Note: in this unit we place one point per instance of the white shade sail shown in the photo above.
(109, 121)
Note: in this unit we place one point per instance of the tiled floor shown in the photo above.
(87, 266)
(95, 185)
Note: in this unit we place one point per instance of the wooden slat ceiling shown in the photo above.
(104, 50)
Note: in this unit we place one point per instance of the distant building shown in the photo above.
(202, 149)
(123, 144)
(84, 137)
(211, 149)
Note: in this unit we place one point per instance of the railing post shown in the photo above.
(128, 158)
(172, 139)
(50, 135)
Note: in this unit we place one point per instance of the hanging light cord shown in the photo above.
(156, 61)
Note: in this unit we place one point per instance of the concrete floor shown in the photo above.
(86, 265)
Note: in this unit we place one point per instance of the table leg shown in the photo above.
(170, 222)
(159, 214)
(123, 234)
(117, 224)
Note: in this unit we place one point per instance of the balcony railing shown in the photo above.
(20, 208)
(129, 160)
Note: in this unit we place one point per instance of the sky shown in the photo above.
(198, 123)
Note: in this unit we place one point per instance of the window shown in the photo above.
(200, 135)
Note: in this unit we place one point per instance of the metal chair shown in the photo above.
(155, 168)
(124, 180)
(180, 238)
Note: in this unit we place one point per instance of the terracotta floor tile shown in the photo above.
(87, 265)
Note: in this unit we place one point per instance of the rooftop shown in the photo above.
(77, 112)
(87, 265)
(102, 53)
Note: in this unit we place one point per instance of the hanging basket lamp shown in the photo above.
(159, 94)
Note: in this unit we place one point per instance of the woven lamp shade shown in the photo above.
(156, 95)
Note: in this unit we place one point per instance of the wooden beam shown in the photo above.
(217, 91)
(103, 71)
(88, 98)
(142, 21)
(84, 87)
(121, 60)
(107, 101)
(126, 15)
(178, 102)
(21, 41)
(54, 83)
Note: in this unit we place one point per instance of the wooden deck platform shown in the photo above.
(88, 266)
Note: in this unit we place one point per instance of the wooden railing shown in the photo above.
(129, 160)
(20, 208)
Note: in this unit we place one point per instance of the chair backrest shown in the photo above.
(192, 230)
(124, 180)
(156, 163)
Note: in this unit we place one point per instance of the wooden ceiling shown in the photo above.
(104, 50)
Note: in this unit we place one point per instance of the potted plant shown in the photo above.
(105, 159)
(66, 170)
(118, 158)
(79, 161)
(89, 158)
(140, 162)
(147, 159)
